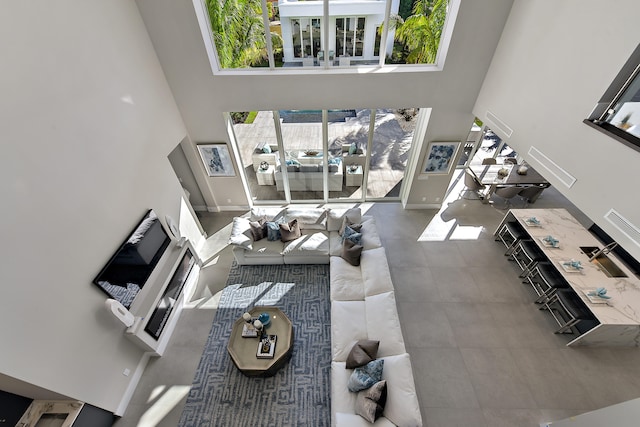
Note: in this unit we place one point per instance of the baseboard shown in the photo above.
(200, 208)
(133, 384)
(233, 208)
(423, 206)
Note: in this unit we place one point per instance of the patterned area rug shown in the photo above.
(299, 393)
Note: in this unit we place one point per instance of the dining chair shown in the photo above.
(489, 161)
(505, 193)
(472, 184)
(530, 194)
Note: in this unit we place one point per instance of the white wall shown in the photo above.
(87, 121)
(553, 64)
(202, 97)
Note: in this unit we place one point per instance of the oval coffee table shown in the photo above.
(243, 349)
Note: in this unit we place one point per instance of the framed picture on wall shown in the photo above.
(440, 157)
(217, 159)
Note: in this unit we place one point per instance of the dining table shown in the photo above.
(507, 175)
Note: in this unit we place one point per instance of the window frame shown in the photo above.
(205, 26)
(629, 73)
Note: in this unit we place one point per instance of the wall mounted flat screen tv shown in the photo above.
(131, 265)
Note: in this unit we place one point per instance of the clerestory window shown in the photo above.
(265, 35)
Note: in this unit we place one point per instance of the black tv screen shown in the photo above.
(131, 265)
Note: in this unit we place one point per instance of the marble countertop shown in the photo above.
(623, 308)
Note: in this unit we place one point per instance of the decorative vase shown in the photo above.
(264, 166)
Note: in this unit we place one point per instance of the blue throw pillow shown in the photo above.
(352, 235)
(273, 231)
(266, 149)
(365, 376)
(353, 148)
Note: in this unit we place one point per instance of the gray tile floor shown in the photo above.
(483, 354)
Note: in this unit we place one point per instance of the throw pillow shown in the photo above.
(290, 231)
(258, 229)
(347, 222)
(351, 234)
(370, 403)
(351, 252)
(362, 352)
(353, 148)
(273, 230)
(266, 149)
(365, 376)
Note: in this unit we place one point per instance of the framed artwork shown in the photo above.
(217, 159)
(440, 157)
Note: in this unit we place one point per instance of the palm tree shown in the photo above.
(420, 33)
(238, 32)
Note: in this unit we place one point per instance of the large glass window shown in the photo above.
(257, 34)
(313, 155)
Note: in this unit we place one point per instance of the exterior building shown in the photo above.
(353, 29)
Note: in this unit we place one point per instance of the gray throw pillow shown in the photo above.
(362, 352)
(258, 229)
(351, 252)
(370, 403)
(290, 231)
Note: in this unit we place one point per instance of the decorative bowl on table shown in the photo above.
(265, 319)
(311, 153)
(264, 166)
(353, 168)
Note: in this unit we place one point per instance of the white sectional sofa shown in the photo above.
(363, 305)
(319, 240)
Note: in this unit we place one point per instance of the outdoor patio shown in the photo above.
(389, 152)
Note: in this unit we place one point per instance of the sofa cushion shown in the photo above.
(375, 272)
(370, 402)
(381, 310)
(348, 326)
(346, 280)
(336, 216)
(362, 352)
(290, 231)
(402, 407)
(241, 233)
(308, 218)
(308, 244)
(365, 376)
(268, 213)
(264, 248)
(351, 252)
(353, 420)
(370, 236)
(342, 400)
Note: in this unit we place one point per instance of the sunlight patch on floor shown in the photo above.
(444, 225)
(166, 400)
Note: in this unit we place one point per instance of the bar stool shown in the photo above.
(509, 234)
(545, 280)
(571, 310)
(527, 254)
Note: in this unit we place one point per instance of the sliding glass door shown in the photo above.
(323, 155)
